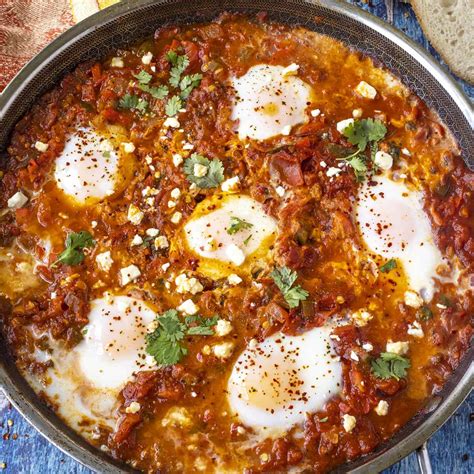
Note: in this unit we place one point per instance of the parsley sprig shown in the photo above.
(144, 79)
(362, 133)
(75, 244)
(284, 278)
(165, 342)
(237, 224)
(390, 365)
(214, 174)
(388, 266)
(133, 102)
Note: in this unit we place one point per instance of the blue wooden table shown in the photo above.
(24, 451)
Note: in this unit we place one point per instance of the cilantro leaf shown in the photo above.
(143, 77)
(173, 105)
(425, 313)
(133, 102)
(164, 343)
(284, 278)
(75, 243)
(214, 174)
(363, 131)
(390, 365)
(357, 163)
(390, 265)
(188, 83)
(179, 63)
(237, 224)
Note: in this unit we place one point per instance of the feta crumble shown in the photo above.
(188, 307)
(343, 124)
(137, 240)
(161, 242)
(152, 232)
(188, 285)
(17, 201)
(223, 350)
(129, 274)
(382, 408)
(41, 147)
(200, 170)
(134, 215)
(357, 113)
(171, 122)
(399, 348)
(361, 317)
(365, 90)
(415, 330)
(175, 193)
(348, 422)
(104, 261)
(235, 254)
(234, 279)
(315, 113)
(128, 147)
(146, 58)
(291, 70)
(280, 190)
(176, 217)
(117, 62)
(383, 160)
(134, 407)
(177, 159)
(223, 327)
(231, 185)
(413, 300)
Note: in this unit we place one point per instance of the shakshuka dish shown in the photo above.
(238, 246)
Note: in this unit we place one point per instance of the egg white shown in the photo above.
(206, 233)
(90, 168)
(274, 383)
(268, 101)
(393, 224)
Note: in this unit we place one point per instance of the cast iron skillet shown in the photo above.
(131, 20)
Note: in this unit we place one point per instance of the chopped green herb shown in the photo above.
(323, 420)
(173, 105)
(445, 301)
(388, 266)
(214, 174)
(75, 244)
(164, 343)
(179, 63)
(390, 365)
(237, 224)
(247, 240)
(133, 102)
(188, 83)
(158, 92)
(425, 313)
(362, 133)
(143, 77)
(284, 278)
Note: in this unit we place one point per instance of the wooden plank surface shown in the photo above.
(24, 451)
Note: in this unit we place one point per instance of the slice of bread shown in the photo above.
(449, 25)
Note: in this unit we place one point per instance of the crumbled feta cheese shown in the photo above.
(415, 330)
(200, 170)
(366, 90)
(224, 350)
(323, 164)
(441, 306)
(128, 147)
(291, 70)
(231, 185)
(134, 214)
(146, 58)
(332, 171)
(354, 356)
(42, 147)
(171, 122)
(286, 130)
(171, 204)
(357, 113)
(177, 159)
(129, 274)
(117, 62)
(165, 266)
(315, 113)
(152, 232)
(175, 193)
(235, 254)
(176, 217)
(280, 190)
(234, 279)
(400, 347)
(348, 422)
(134, 407)
(104, 260)
(343, 124)
(361, 317)
(223, 327)
(137, 240)
(368, 347)
(334, 337)
(188, 307)
(413, 300)
(150, 360)
(406, 152)
(187, 285)
(188, 146)
(382, 408)
(93, 224)
(153, 68)
(177, 416)
(17, 200)
(264, 457)
(161, 242)
(383, 160)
